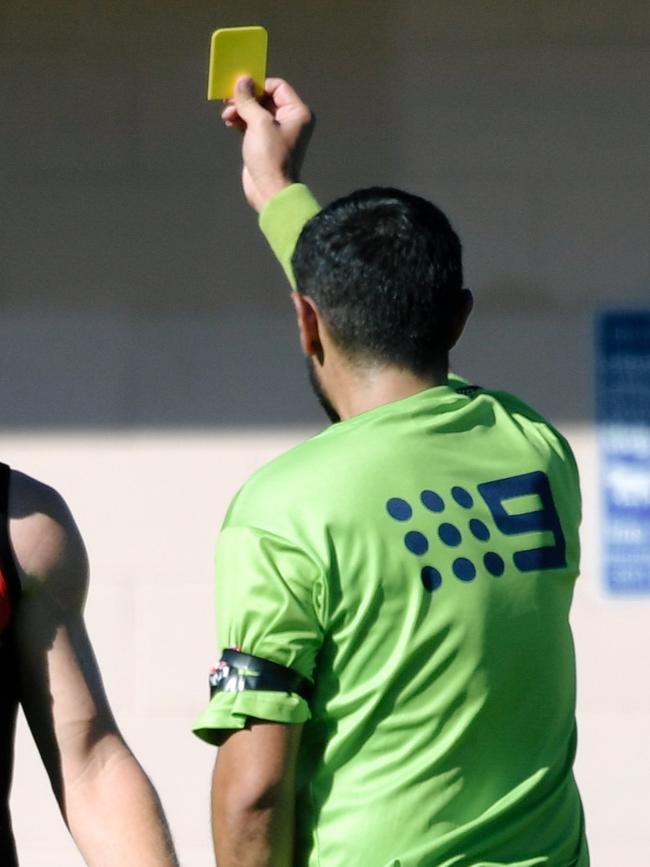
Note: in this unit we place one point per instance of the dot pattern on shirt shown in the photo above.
(478, 529)
(462, 497)
(432, 501)
(451, 534)
(399, 509)
(416, 542)
(494, 564)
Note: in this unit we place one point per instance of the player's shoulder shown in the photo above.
(28, 494)
(47, 546)
(516, 406)
(291, 478)
(532, 422)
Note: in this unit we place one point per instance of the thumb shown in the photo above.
(248, 108)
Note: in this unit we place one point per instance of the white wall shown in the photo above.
(149, 505)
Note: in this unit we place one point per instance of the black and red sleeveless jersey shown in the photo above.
(9, 596)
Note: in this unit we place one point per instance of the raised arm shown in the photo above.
(108, 803)
(275, 136)
(276, 132)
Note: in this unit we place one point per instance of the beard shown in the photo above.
(319, 391)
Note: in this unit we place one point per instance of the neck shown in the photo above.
(362, 390)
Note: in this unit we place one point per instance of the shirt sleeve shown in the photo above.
(282, 220)
(268, 595)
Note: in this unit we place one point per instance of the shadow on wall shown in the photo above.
(99, 371)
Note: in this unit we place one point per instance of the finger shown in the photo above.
(288, 108)
(272, 84)
(231, 119)
(248, 108)
(282, 92)
(229, 113)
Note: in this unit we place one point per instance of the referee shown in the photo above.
(397, 680)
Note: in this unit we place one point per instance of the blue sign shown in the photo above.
(623, 414)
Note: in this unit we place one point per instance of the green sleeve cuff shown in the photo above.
(282, 219)
(230, 710)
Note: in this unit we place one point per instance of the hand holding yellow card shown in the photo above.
(236, 51)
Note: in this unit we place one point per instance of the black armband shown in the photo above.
(236, 672)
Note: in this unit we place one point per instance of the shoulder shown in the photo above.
(47, 546)
(518, 407)
(289, 481)
(535, 425)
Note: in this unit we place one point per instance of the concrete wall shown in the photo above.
(124, 234)
(147, 355)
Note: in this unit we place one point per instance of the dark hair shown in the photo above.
(385, 271)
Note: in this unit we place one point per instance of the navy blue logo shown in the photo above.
(454, 528)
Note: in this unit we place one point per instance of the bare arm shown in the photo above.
(275, 137)
(108, 803)
(253, 796)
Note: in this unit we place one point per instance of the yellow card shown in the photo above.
(236, 51)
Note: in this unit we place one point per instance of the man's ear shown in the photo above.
(308, 325)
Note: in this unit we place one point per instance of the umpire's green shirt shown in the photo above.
(417, 562)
